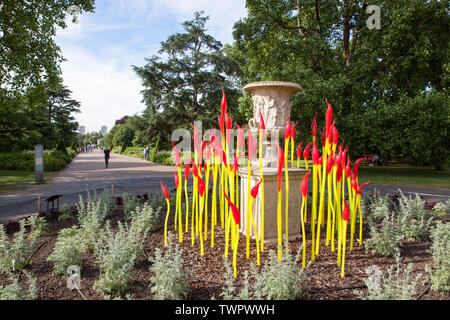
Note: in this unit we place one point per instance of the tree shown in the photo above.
(326, 47)
(187, 86)
(43, 114)
(28, 52)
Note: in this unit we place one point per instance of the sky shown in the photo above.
(102, 47)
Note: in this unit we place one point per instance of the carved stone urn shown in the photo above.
(273, 99)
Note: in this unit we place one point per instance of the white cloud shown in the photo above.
(223, 14)
(98, 67)
(106, 91)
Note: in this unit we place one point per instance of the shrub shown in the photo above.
(91, 220)
(23, 161)
(441, 209)
(144, 219)
(384, 240)
(4, 246)
(280, 280)
(380, 207)
(16, 253)
(396, 284)
(440, 249)
(169, 281)
(414, 219)
(56, 160)
(129, 204)
(116, 255)
(161, 156)
(14, 291)
(37, 226)
(66, 213)
(68, 250)
(229, 288)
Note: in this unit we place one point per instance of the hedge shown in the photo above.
(24, 161)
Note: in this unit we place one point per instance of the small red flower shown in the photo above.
(359, 190)
(356, 165)
(261, 125)
(228, 127)
(328, 118)
(304, 184)
(338, 174)
(220, 120)
(201, 186)
(223, 104)
(235, 165)
(314, 127)
(306, 152)
(177, 182)
(330, 162)
(241, 139)
(195, 137)
(337, 161)
(177, 155)
(315, 154)
(324, 137)
(187, 168)
(330, 132)
(299, 150)
(255, 190)
(234, 209)
(224, 158)
(207, 153)
(164, 190)
(194, 170)
(280, 165)
(335, 135)
(288, 129)
(354, 183)
(344, 156)
(251, 145)
(346, 212)
(348, 171)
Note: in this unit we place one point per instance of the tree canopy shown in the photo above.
(35, 106)
(327, 48)
(186, 85)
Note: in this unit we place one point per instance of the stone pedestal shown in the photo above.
(270, 202)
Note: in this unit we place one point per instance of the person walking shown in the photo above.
(106, 151)
(146, 152)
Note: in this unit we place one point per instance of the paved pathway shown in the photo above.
(127, 174)
(88, 172)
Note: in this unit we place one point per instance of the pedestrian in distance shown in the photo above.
(106, 151)
(146, 152)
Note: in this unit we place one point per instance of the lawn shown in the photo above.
(11, 180)
(406, 176)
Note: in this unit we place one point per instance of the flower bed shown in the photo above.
(207, 273)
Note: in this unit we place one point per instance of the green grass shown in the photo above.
(405, 175)
(11, 180)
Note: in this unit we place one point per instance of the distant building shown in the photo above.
(82, 129)
(104, 130)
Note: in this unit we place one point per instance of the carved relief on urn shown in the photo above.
(273, 99)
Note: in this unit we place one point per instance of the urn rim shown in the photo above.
(284, 85)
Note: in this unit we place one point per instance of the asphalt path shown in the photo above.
(87, 172)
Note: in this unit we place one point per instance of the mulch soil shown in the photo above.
(206, 274)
